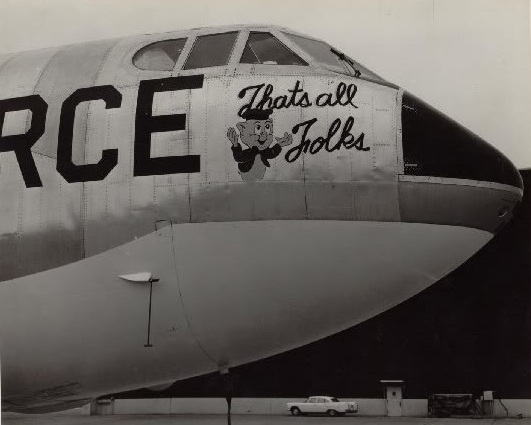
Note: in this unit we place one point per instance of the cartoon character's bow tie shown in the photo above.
(264, 155)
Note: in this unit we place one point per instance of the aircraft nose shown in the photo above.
(451, 176)
(435, 145)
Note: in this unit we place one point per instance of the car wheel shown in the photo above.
(332, 413)
(295, 411)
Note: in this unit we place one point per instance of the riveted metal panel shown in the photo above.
(398, 119)
(357, 201)
(333, 184)
(171, 143)
(258, 71)
(50, 217)
(384, 115)
(335, 201)
(474, 206)
(377, 201)
(214, 201)
(323, 165)
(247, 201)
(8, 259)
(301, 274)
(107, 203)
(132, 205)
(18, 77)
(20, 74)
(35, 220)
(40, 221)
(172, 202)
(283, 121)
(11, 184)
(60, 212)
(98, 209)
(16, 122)
(197, 132)
(143, 197)
(266, 71)
(107, 217)
(114, 129)
(100, 133)
(214, 109)
(11, 187)
(70, 69)
(209, 114)
(121, 206)
(118, 69)
(315, 166)
(209, 140)
(108, 221)
(109, 313)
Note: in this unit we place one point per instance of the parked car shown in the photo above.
(323, 404)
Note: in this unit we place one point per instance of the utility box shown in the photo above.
(487, 403)
(488, 395)
(89, 409)
(105, 406)
(392, 389)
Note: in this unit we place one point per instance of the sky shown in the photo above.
(471, 59)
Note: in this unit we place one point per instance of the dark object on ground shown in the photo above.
(445, 405)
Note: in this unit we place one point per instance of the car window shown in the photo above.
(264, 48)
(159, 56)
(321, 400)
(311, 400)
(336, 400)
(211, 50)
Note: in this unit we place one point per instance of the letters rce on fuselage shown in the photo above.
(145, 125)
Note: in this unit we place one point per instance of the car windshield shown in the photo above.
(332, 58)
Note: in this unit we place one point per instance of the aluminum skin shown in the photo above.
(300, 209)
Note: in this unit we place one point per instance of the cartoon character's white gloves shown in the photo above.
(233, 136)
(286, 140)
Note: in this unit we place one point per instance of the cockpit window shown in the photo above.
(332, 58)
(263, 48)
(159, 56)
(211, 50)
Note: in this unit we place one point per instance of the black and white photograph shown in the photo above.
(277, 212)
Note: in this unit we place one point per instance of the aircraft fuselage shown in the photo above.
(275, 204)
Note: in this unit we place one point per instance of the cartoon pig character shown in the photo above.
(256, 132)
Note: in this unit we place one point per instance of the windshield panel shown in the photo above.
(211, 50)
(263, 48)
(318, 50)
(159, 56)
(332, 58)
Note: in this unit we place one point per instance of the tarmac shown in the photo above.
(62, 419)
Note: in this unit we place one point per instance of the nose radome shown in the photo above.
(451, 176)
(435, 145)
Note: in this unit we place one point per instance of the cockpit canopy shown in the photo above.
(332, 58)
(264, 46)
